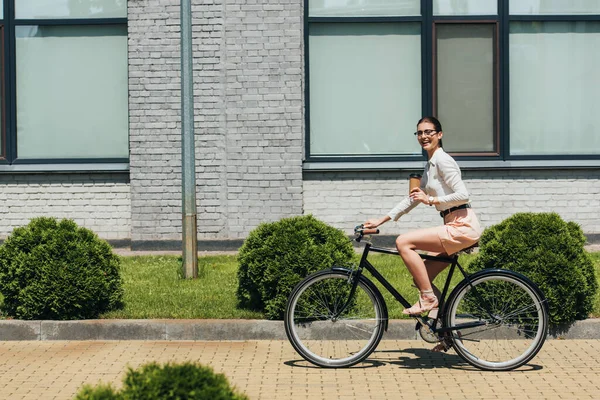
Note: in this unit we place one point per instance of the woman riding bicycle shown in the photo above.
(442, 187)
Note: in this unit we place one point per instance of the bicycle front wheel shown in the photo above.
(324, 332)
(500, 320)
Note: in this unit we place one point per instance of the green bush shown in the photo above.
(550, 252)
(57, 270)
(99, 392)
(171, 381)
(277, 255)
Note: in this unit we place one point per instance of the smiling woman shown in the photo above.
(443, 187)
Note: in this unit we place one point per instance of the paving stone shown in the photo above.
(270, 369)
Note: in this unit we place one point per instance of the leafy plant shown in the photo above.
(277, 255)
(170, 381)
(57, 270)
(550, 252)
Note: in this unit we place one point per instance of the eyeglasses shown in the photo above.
(427, 132)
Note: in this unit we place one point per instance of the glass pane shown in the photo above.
(355, 8)
(465, 86)
(1, 9)
(2, 124)
(365, 88)
(71, 91)
(554, 85)
(465, 7)
(32, 9)
(526, 7)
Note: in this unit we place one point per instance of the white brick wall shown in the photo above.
(349, 198)
(249, 126)
(99, 202)
(248, 115)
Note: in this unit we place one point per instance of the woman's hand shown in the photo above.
(374, 223)
(418, 195)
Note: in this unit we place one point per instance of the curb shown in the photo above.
(111, 329)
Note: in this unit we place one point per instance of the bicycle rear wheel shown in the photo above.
(511, 315)
(324, 333)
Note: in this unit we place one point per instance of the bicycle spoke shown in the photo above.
(335, 336)
(514, 322)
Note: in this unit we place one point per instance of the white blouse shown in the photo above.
(441, 179)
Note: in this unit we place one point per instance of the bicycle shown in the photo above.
(494, 319)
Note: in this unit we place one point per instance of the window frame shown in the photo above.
(506, 88)
(2, 93)
(495, 81)
(501, 158)
(317, 20)
(10, 160)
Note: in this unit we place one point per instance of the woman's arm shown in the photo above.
(402, 208)
(449, 172)
(374, 223)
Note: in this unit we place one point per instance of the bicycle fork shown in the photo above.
(353, 279)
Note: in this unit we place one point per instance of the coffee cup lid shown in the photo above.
(414, 176)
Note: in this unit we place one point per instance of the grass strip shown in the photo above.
(154, 287)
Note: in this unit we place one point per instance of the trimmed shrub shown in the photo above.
(277, 255)
(550, 252)
(170, 381)
(99, 392)
(57, 270)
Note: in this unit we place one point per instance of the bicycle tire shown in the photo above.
(324, 339)
(515, 314)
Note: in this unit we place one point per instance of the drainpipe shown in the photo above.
(188, 157)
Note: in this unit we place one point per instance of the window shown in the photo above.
(71, 91)
(2, 90)
(554, 80)
(509, 79)
(360, 82)
(365, 75)
(68, 74)
(465, 86)
(554, 7)
(363, 8)
(63, 9)
(465, 7)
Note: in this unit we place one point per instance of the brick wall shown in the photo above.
(248, 115)
(99, 202)
(348, 198)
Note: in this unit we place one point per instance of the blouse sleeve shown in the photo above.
(402, 208)
(406, 204)
(450, 173)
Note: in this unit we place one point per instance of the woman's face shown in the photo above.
(428, 137)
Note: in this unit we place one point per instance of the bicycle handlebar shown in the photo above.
(360, 231)
(370, 231)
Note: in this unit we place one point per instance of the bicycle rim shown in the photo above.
(514, 319)
(322, 336)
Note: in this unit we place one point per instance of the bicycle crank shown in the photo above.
(427, 334)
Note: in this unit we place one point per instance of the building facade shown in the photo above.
(301, 107)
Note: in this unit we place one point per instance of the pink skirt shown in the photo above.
(461, 229)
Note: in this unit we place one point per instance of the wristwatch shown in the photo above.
(430, 200)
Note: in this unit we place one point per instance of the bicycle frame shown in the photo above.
(453, 261)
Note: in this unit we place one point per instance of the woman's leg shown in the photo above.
(426, 240)
(434, 268)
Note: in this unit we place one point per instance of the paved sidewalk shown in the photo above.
(564, 369)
